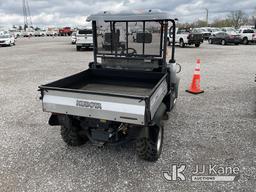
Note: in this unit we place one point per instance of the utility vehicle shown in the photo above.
(127, 90)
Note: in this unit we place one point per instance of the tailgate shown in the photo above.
(113, 108)
(85, 39)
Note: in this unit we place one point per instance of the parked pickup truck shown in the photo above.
(186, 37)
(84, 39)
(126, 92)
(247, 35)
(66, 31)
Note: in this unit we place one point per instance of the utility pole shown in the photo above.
(26, 14)
(207, 16)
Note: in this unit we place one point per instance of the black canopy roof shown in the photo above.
(131, 16)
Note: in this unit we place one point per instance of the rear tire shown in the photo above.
(70, 135)
(197, 45)
(245, 41)
(150, 148)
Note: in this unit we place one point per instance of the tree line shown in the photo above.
(234, 19)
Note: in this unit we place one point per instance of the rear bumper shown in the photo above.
(193, 41)
(84, 44)
(95, 106)
(235, 41)
(206, 36)
(5, 43)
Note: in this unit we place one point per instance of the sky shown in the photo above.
(74, 13)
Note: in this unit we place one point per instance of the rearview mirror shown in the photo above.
(143, 37)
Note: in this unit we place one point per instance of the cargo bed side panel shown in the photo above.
(127, 110)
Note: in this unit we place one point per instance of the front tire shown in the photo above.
(197, 45)
(182, 44)
(150, 148)
(210, 41)
(70, 135)
(245, 41)
(223, 42)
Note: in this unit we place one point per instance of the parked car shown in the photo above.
(248, 35)
(84, 39)
(224, 38)
(205, 32)
(40, 33)
(73, 38)
(186, 37)
(7, 40)
(215, 30)
(28, 33)
(15, 32)
(229, 30)
(52, 32)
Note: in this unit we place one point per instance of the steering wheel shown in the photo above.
(132, 53)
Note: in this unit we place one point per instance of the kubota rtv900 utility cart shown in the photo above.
(127, 90)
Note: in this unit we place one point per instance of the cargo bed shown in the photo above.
(109, 94)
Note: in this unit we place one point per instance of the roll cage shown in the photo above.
(163, 19)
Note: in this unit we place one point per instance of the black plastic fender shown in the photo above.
(57, 119)
(156, 121)
(159, 114)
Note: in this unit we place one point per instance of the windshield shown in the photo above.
(197, 30)
(129, 39)
(230, 30)
(85, 32)
(215, 30)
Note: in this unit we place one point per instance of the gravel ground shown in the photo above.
(217, 127)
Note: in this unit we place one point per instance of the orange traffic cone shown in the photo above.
(195, 85)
